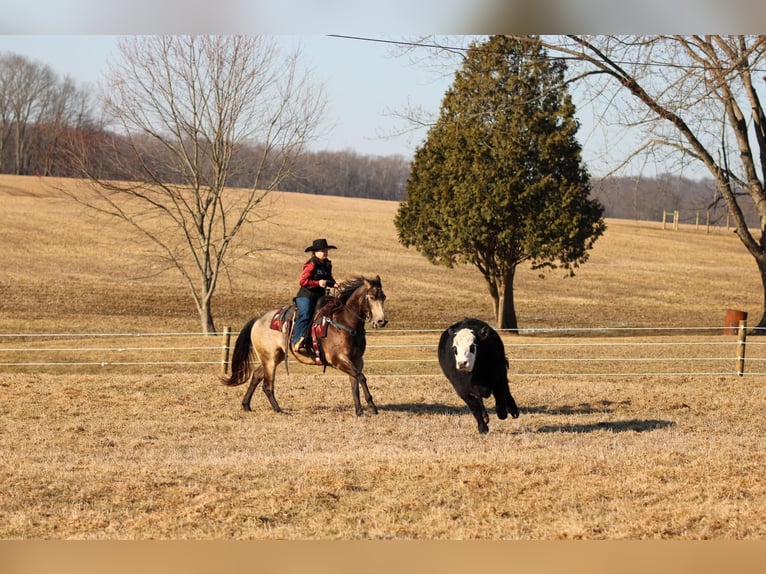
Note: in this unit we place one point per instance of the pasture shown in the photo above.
(141, 452)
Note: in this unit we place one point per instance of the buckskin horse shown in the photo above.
(339, 341)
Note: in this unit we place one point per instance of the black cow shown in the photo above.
(472, 357)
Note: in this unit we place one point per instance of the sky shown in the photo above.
(366, 83)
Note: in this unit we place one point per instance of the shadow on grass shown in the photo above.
(634, 425)
(581, 409)
(442, 409)
(425, 408)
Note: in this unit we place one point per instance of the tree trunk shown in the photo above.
(761, 326)
(506, 310)
(206, 317)
(494, 292)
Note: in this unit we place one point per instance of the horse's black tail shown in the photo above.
(241, 364)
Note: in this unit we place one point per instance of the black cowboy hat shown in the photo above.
(319, 245)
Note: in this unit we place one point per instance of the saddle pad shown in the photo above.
(319, 328)
(281, 317)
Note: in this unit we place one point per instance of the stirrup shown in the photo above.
(300, 349)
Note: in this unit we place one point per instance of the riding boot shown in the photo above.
(303, 347)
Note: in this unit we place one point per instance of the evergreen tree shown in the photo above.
(499, 179)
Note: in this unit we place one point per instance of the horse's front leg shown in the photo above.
(363, 382)
(356, 378)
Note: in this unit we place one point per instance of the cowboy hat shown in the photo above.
(319, 245)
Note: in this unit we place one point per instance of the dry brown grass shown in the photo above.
(136, 453)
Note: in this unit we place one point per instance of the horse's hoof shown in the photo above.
(246, 408)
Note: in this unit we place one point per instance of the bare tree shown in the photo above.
(182, 107)
(698, 100)
(68, 108)
(26, 89)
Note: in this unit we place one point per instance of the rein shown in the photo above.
(343, 327)
(362, 317)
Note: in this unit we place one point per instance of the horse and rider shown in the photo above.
(337, 339)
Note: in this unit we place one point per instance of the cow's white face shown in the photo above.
(464, 347)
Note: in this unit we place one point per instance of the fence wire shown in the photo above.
(536, 352)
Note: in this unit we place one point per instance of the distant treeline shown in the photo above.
(46, 150)
(50, 151)
(645, 199)
(50, 126)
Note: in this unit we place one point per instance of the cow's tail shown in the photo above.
(241, 363)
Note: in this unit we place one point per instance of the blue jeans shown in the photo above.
(305, 307)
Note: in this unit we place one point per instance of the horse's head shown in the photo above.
(375, 302)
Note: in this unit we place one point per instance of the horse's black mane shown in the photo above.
(348, 287)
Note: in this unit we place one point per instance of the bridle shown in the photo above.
(363, 317)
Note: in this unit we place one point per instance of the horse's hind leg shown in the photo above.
(268, 387)
(254, 380)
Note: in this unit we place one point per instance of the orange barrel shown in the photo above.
(733, 317)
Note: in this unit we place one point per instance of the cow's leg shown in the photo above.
(501, 408)
(479, 412)
(512, 408)
(501, 401)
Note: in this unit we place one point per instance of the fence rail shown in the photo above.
(561, 352)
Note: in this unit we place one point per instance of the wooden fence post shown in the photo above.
(664, 218)
(225, 350)
(675, 220)
(741, 342)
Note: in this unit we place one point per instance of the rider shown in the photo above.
(315, 278)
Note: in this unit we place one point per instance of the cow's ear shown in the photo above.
(484, 332)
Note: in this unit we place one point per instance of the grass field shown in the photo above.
(144, 452)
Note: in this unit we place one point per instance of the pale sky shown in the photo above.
(365, 82)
